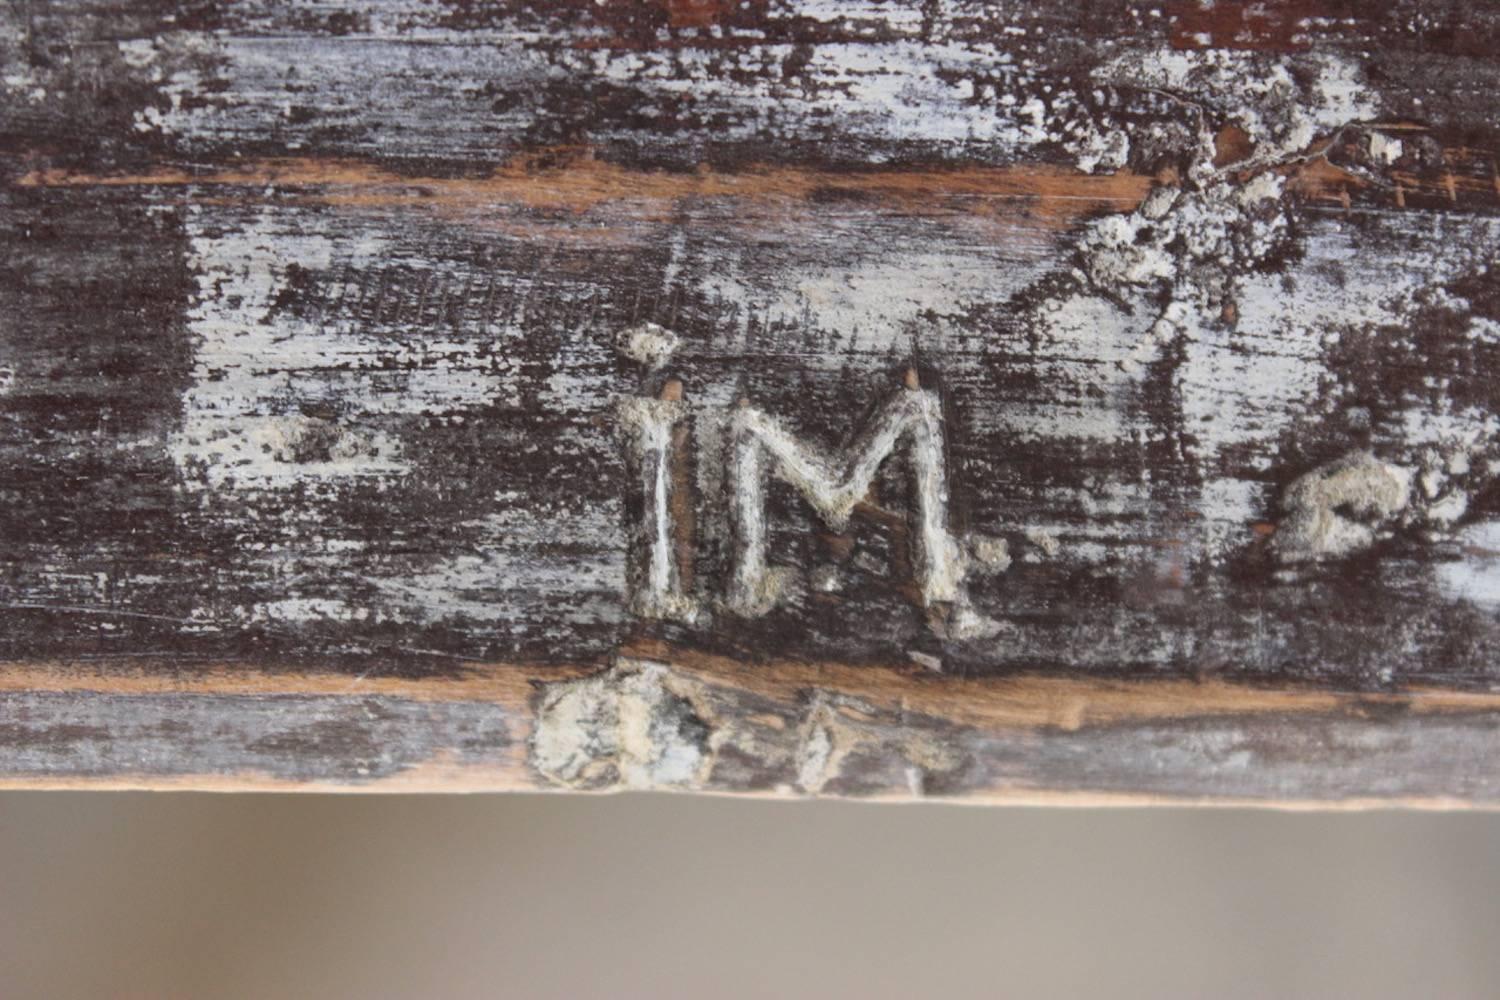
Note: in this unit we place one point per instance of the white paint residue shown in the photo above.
(294, 392)
(287, 395)
(1385, 149)
(1251, 344)
(408, 108)
(1228, 507)
(896, 91)
(1098, 150)
(515, 579)
(1084, 348)
(1260, 94)
(843, 286)
(1475, 575)
(1449, 428)
(242, 416)
(1242, 387)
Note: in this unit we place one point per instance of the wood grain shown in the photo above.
(311, 463)
(778, 728)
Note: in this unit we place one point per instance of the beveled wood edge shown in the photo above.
(482, 784)
(1012, 700)
(902, 712)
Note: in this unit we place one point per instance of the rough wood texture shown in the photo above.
(326, 447)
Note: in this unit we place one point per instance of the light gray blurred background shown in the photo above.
(178, 895)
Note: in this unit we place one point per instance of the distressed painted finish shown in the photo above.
(312, 381)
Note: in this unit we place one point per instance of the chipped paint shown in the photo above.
(634, 726)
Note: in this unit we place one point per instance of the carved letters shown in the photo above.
(758, 446)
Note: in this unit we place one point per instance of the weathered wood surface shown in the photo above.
(316, 434)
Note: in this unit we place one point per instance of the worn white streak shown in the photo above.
(241, 417)
(1475, 575)
(898, 90)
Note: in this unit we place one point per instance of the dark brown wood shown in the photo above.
(323, 433)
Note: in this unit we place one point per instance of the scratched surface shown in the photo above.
(309, 347)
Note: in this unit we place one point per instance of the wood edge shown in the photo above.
(1026, 700)
(494, 785)
(912, 701)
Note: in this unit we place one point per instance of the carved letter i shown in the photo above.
(656, 442)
